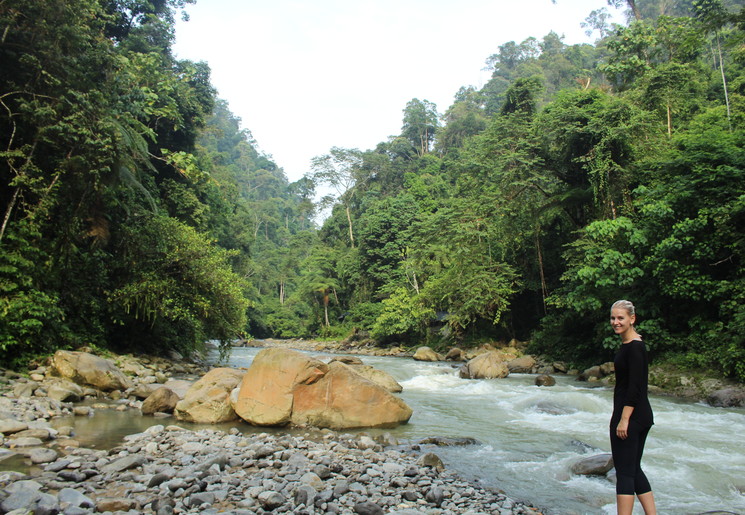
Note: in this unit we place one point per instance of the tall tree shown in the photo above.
(420, 124)
(340, 169)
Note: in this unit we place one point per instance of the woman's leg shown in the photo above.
(630, 478)
(624, 504)
(641, 484)
(647, 501)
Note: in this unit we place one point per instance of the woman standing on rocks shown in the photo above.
(632, 415)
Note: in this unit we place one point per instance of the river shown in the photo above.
(530, 436)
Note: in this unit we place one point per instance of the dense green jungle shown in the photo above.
(138, 215)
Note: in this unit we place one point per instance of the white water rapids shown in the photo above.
(530, 436)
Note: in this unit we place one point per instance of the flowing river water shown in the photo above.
(529, 437)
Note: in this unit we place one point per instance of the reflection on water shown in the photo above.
(529, 438)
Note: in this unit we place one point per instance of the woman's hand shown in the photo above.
(622, 431)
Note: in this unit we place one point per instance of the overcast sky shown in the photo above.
(308, 75)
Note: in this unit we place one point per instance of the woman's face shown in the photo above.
(621, 321)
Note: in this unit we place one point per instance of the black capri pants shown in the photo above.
(627, 458)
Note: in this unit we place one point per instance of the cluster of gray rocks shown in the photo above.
(170, 469)
(173, 469)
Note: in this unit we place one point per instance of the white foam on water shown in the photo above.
(532, 435)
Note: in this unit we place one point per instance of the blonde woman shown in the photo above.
(632, 415)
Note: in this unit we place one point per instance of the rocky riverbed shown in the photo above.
(172, 469)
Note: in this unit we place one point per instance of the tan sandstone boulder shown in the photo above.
(265, 397)
(379, 377)
(343, 399)
(162, 400)
(427, 354)
(208, 400)
(179, 386)
(285, 386)
(86, 369)
(455, 354)
(522, 365)
(489, 365)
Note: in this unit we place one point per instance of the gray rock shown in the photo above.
(201, 498)
(69, 497)
(47, 505)
(435, 495)
(447, 442)
(305, 494)
(42, 455)
(312, 479)
(431, 460)
(10, 426)
(64, 391)
(727, 398)
(322, 471)
(125, 463)
(23, 496)
(271, 500)
(545, 380)
(25, 389)
(157, 479)
(341, 488)
(598, 465)
(410, 495)
(72, 475)
(28, 441)
(368, 508)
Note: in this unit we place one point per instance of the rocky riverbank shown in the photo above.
(172, 469)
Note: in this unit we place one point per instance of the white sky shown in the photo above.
(307, 75)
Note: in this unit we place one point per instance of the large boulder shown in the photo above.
(379, 377)
(343, 399)
(727, 398)
(162, 400)
(265, 396)
(489, 365)
(208, 400)
(597, 465)
(521, 365)
(179, 386)
(64, 390)
(284, 386)
(427, 354)
(545, 380)
(89, 370)
(455, 354)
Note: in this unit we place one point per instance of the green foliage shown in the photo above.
(402, 316)
(26, 313)
(177, 287)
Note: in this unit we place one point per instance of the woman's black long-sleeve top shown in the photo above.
(632, 371)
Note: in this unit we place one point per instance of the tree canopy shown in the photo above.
(138, 213)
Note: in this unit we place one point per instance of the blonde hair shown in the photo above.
(624, 304)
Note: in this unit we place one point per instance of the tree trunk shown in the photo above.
(349, 219)
(8, 211)
(281, 293)
(544, 289)
(634, 9)
(724, 81)
(326, 308)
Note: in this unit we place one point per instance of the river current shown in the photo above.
(530, 436)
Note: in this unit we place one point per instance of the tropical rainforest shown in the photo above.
(138, 215)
